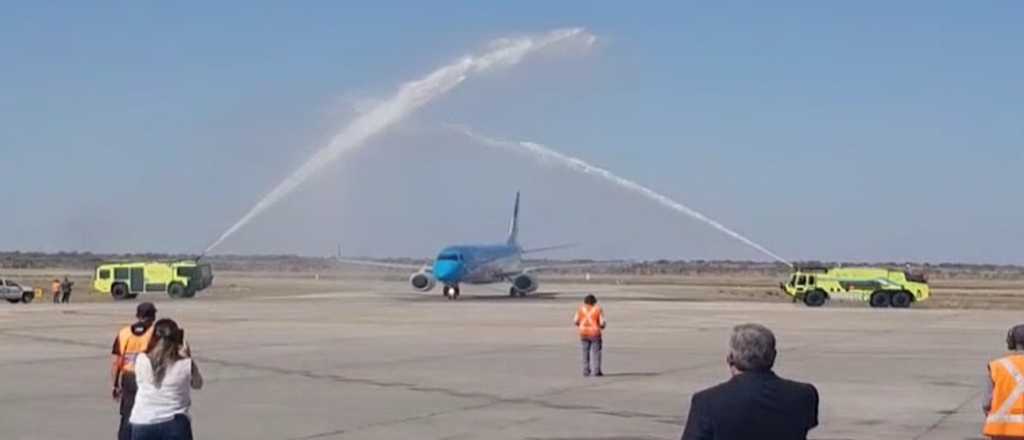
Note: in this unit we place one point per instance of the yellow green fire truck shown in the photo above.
(180, 279)
(879, 287)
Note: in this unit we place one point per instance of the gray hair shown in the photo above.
(752, 348)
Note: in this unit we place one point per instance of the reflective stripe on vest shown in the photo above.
(590, 321)
(131, 346)
(1007, 415)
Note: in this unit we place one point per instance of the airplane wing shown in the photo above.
(415, 267)
(549, 267)
(550, 248)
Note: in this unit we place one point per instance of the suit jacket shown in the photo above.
(753, 405)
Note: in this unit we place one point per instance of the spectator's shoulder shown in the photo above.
(801, 387)
(712, 393)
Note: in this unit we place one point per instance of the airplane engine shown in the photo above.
(422, 281)
(525, 283)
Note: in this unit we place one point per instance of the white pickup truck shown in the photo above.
(15, 293)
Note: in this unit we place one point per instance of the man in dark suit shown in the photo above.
(754, 403)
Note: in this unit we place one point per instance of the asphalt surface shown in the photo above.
(381, 363)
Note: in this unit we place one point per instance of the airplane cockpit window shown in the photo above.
(450, 257)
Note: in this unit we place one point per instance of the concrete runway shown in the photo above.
(359, 365)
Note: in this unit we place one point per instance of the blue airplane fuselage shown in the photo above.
(477, 264)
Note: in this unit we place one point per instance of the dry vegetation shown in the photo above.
(954, 285)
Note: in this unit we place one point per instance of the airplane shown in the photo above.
(477, 264)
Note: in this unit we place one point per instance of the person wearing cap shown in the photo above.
(131, 341)
(1003, 405)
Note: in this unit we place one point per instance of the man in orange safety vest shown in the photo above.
(590, 320)
(1004, 403)
(130, 342)
(55, 288)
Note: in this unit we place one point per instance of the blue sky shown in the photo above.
(855, 131)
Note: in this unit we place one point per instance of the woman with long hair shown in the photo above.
(166, 374)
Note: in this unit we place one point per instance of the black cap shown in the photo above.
(145, 310)
(1016, 337)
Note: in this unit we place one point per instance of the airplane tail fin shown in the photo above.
(513, 229)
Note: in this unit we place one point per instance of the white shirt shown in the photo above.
(173, 397)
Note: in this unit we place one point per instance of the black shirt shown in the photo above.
(753, 405)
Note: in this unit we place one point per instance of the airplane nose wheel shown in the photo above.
(451, 292)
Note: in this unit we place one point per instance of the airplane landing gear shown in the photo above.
(512, 291)
(451, 292)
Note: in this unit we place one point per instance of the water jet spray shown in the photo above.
(410, 97)
(547, 155)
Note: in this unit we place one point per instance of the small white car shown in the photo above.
(15, 293)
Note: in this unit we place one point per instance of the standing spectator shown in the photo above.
(1004, 412)
(55, 288)
(131, 341)
(166, 375)
(590, 320)
(755, 403)
(65, 290)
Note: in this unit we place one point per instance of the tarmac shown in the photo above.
(378, 362)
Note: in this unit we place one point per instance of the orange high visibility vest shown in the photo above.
(131, 346)
(56, 287)
(1006, 418)
(590, 319)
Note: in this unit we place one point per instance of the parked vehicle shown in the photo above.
(15, 293)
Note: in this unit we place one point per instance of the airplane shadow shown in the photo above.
(498, 297)
(543, 296)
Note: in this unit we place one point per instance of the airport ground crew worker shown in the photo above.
(590, 320)
(65, 290)
(1004, 405)
(129, 343)
(55, 289)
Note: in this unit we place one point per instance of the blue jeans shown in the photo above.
(591, 356)
(180, 428)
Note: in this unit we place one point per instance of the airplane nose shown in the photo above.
(447, 270)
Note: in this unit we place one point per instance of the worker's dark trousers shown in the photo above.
(591, 356)
(128, 389)
(56, 298)
(65, 297)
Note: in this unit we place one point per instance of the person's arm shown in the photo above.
(115, 367)
(698, 422)
(576, 318)
(197, 377)
(196, 382)
(600, 319)
(812, 420)
(986, 399)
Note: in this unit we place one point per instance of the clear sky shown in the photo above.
(823, 130)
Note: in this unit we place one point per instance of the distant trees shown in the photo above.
(660, 267)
